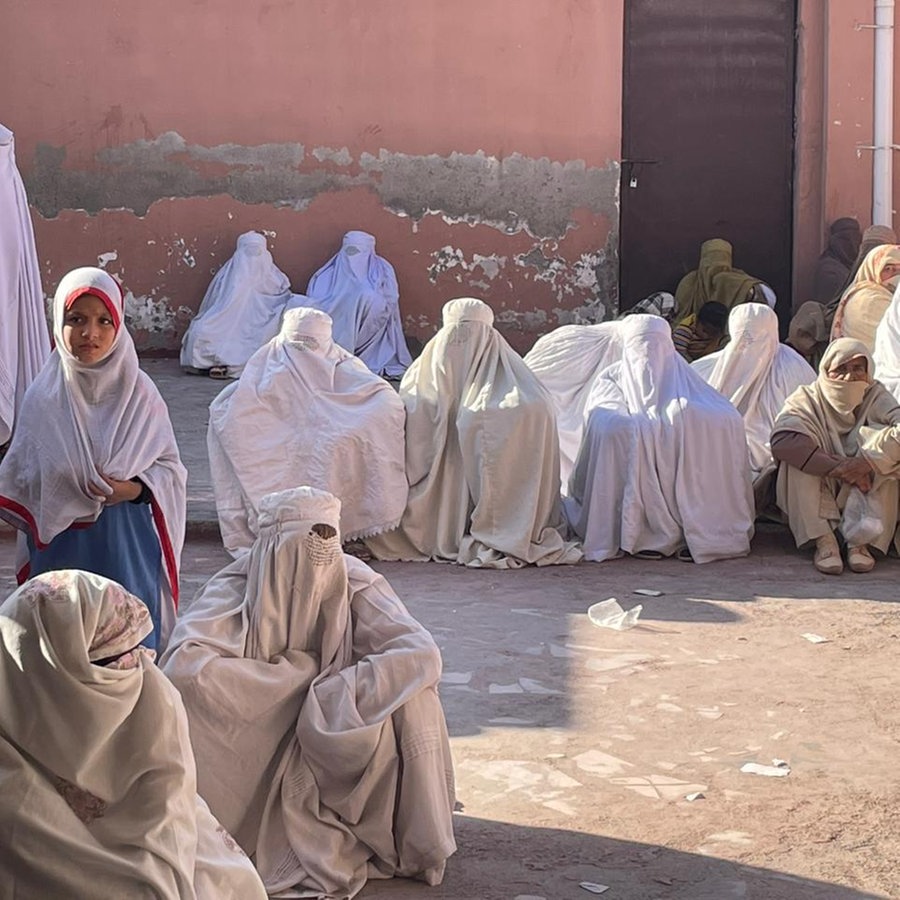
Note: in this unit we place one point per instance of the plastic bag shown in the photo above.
(861, 522)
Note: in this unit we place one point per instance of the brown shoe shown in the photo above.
(827, 558)
(860, 559)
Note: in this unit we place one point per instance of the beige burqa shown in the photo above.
(97, 781)
(482, 453)
(314, 714)
(844, 419)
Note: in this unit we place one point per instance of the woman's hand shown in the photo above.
(855, 470)
(121, 491)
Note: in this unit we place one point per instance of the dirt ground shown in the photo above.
(575, 746)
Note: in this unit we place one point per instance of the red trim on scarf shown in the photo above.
(23, 573)
(107, 302)
(18, 510)
(159, 520)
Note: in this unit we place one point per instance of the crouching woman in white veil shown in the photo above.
(663, 464)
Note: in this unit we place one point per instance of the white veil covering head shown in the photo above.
(305, 411)
(24, 342)
(482, 453)
(757, 374)
(95, 760)
(241, 309)
(82, 421)
(887, 347)
(567, 361)
(663, 456)
(337, 759)
(359, 290)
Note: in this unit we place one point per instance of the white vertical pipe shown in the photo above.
(882, 173)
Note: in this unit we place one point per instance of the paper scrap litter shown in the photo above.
(815, 638)
(695, 796)
(609, 614)
(770, 771)
(647, 592)
(593, 887)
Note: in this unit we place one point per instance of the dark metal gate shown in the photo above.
(707, 145)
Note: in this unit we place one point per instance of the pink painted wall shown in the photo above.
(478, 140)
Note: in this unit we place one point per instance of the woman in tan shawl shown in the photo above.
(715, 279)
(868, 297)
(838, 444)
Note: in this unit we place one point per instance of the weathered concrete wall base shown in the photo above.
(535, 238)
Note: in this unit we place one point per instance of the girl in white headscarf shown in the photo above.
(663, 464)
(756, 373)
(240, 311)
(307, 412)
(358, 289)
(314, 714)
(93, 479)
(838, 442)
(98, 790)
(482, 453)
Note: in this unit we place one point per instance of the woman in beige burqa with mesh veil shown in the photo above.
(838, 444)
(482, 453)
(314, 715)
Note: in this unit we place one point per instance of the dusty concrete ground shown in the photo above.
(575, 746)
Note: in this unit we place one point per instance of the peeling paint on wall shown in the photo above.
(516, 193)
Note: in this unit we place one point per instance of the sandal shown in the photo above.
(648, 554)
(219, 372)
(860, 559)
(684, 554)
(827, 558)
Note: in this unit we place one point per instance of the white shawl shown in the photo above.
(358, 289)
(241, 309)
(482, 454)
(97, 781)
(307, 412)
(568, 361)
(757, 374)
(887, 347)
(664, 458)
(24, 342)
(334, 762)
(81, 420)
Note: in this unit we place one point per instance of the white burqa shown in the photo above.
(482, 454)
(24, 341)
(757, 374)
(568, 361)
(98, 792)
(664, 460)
(82, 421)
(314, 714)
(358, 289)
(240, 312)
(306, 411)
(887, 347)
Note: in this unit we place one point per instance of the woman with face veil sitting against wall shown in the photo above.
(98, 790)
(838, 444)
(314, 714)
(482, 453)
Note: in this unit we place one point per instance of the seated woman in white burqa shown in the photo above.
(98, 789)
(663, 466)
(358, 289)
(306, 411)
(314, 715)
(757, 374)
(568, 362)
(482, 453)
(241, 310)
